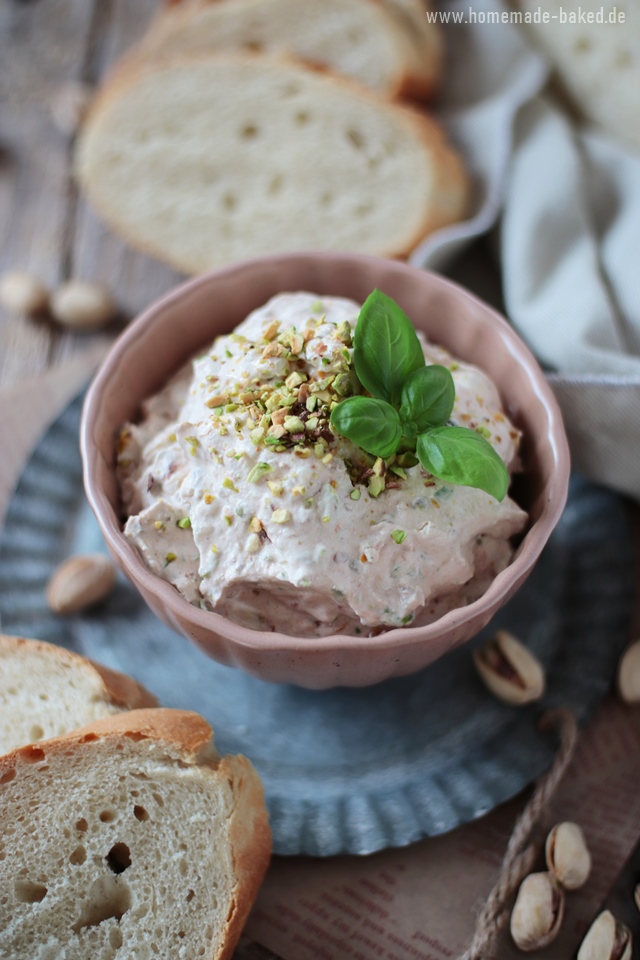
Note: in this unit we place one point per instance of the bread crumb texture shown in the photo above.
(47, 691)
(119, 844)
(212, 160)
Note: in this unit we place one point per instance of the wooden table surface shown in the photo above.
(45, 226)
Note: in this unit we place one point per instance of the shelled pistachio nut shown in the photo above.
(568, 857)
(83, 306)
(509, 670)
(537, 914)
(628, 678)
(607, 939)
(80, 582)
(22, 293)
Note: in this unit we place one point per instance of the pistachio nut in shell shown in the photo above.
(509, 670)
(567, 854)
(606, 939)
(79, 582)
(537, 914)
(628, 678)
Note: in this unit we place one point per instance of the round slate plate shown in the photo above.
(345, 771)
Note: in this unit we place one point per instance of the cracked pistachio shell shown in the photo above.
(628, 678)
(607, 939)
(509, 670)
(568, 857)
(537, 914)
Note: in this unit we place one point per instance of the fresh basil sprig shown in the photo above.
(411, 404)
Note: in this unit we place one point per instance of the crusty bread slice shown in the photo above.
(207, 161)
(362, 39)
(130, 838)
(46, 691)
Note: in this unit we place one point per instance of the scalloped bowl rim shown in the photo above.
(503, 585)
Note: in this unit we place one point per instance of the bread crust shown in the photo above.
(251, 848)
(449, 173)
(188, 738)
(117, 688)
(420, 52)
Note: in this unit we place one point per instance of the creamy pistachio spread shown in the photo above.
(239, 492)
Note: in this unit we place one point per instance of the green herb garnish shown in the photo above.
(411, 404)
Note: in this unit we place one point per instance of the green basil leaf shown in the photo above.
(460, 455)
(373, 424)
(427, 397)
(386, 348)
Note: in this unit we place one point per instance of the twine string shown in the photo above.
(524, 844)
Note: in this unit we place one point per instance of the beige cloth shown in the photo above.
(570, 232)
(571, 274)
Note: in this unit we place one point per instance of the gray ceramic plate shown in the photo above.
(345, 771)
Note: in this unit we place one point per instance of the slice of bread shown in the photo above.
(130, 838)
(45, 691)
(207, 161)
(362, 39)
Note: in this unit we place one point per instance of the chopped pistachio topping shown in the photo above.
(376, 485)
(398, 536)
(255, 525)
(295, 379)
(260, 470)
(272, 330)
(184, 524)
(170, 557)
(228, 484)
(356, 493)
(253, 543)
(218, 401)
(280, 516)
(159, 525)
(293, 425)
(276, 487)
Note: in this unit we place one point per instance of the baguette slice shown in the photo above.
(45, 691)
(130, 838)
(207, 161)
(362, 39)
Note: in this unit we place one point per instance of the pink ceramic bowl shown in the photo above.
(181, 323)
